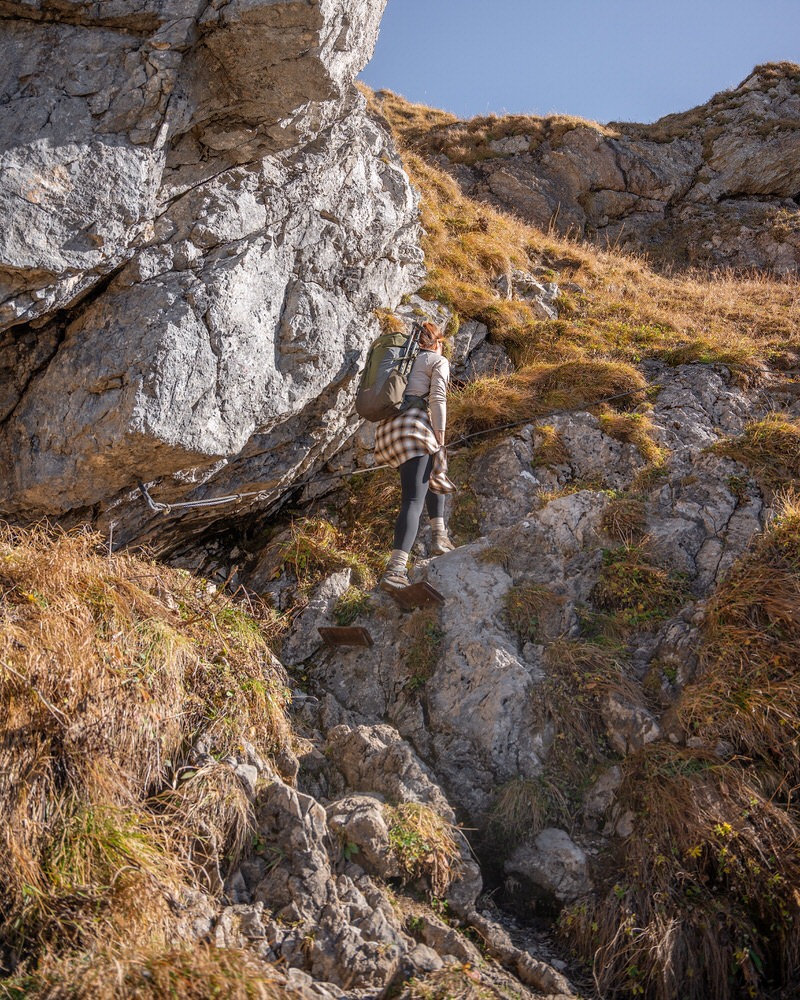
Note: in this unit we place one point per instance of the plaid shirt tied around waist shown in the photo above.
(408, 435)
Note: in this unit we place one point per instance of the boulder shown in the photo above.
(717, 185)
(361, 825)
(185, 312)
(548, 873)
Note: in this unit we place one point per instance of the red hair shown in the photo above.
(430, 335)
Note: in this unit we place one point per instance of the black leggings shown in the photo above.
(414, 477)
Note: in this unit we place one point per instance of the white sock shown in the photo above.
(398, 559)
(437, 525)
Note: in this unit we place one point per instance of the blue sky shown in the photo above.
(625, 60)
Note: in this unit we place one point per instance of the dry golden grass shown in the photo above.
(424, 843)
(355, 534)
(519, 812)
(771, 448)
(580, 675)
(702, 903)
(702, 900)
(111, 667)
(316, 548)
(626, 312)
(523, 605)
(550, 449)
(625, 519)
(748, 691)
(636, 429)
(538, 389)
(150, 974)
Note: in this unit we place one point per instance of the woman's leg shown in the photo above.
(414, 477)
(435, 505)
(440, 541)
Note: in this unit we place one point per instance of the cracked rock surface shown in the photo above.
(467, 717)
(203, 220)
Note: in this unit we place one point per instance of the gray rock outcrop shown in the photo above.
(470, 713)
(718, 185)
(203, 219)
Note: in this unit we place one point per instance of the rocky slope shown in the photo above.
(562, 682)
(205, 217)
(718, 185)
(202, 221)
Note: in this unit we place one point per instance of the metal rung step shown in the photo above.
(345, 635)
(418, 595)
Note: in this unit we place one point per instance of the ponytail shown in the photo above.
(430, 335)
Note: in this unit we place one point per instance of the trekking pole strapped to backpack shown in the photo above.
(383, 382)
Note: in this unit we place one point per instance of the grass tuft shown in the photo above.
(523, 607)
(770, 448)
(425, 637)
(703, 900)
(748, 691)
(638, 593)
(625, 519)
(424, 844)
(150, 974)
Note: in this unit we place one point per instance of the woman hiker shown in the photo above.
(413, 442)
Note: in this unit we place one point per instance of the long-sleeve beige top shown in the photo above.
(429, 377)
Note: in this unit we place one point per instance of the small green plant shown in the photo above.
(738, 487)
(353, 603)
(424, 844)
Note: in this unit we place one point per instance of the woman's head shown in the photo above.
(430, 336)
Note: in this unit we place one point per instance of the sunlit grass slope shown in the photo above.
(111, 669)
(613, 309)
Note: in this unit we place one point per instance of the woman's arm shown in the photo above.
(437, 400)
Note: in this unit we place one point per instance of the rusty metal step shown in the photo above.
(418, 595)
(345, 635)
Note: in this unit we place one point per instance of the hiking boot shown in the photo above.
(440, 543)
(394, 579)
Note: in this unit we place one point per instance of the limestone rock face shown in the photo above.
(462, 688)
(717, 185)
(203, 220)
